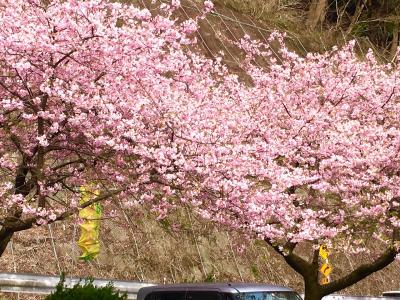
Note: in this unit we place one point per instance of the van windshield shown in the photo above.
(269, 296)
(185, 295)
(216, 295)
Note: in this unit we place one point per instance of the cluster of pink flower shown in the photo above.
(94, 91)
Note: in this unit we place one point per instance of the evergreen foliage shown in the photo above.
(86, 291)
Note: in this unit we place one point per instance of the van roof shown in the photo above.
(232, 288)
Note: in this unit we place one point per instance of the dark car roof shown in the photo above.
(221, 287)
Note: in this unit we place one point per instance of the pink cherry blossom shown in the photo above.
(101, 93)
(208, 5)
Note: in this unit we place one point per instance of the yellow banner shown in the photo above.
(89, 241)
(323, 252)
(324, 280)
(326, 269)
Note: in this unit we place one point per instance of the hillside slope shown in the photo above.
(135, 246)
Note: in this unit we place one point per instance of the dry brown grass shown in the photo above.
(265, 9)
(290, 16)
(144, 249)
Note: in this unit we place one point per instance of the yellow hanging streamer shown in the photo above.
(90, 228)
(326, 267)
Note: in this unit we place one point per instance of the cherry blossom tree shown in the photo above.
(319, 140)
(100, 93)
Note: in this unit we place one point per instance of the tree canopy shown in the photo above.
(306, 150)
(98, 93)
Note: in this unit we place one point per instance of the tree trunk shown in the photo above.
(311, 290)
(316, 13)
(309, 270)
(5, 238)
(21, 187)
(354, 20)
(395, 42)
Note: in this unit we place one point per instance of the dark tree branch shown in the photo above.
(5, 237)
(41, 153)
(67, 55)
(15, 94)
(361, 272)
(20, 188)
(14, 225)
(67, 163)
(388, 99)
(296, 262)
